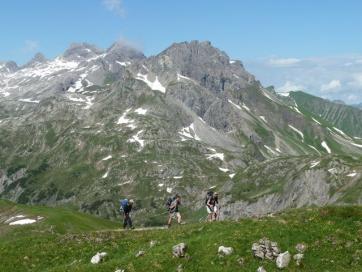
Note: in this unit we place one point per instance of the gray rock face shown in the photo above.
(283, 260)
(179, 250)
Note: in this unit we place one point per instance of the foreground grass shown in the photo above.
(333, 236)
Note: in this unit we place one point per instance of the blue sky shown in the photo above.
(314, 45)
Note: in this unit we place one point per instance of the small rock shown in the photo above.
(179, 250)
(98, 257)
(241, 261)
(301, 247)
(298, 258)
(179, 268)
(140, 253)
(225, 250)
(261, 269)
(153, 243)
(120, 270)
(283, 260)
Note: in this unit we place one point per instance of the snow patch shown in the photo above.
(124, 120)
(232, 175)
(136, 139)
(235, 105)
(178, 177)
(14, 217)
(314, 149)
(107, 158)
(246, 107)
(28, 100)
(169, 190)
(340, 131)
(326, 147)
(179, 77)
(263, 118)
(353, 174)
(314, 164)
(271, 150)
(358, 145)
(297, 110)
(155, 85)
(297, 131)
(25, 221)
(106, 174)
(285, 94)
(316, 121)
(224, 169)
(124, 63)
(141, 111)
(189, 132)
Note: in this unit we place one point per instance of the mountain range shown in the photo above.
(92, 126)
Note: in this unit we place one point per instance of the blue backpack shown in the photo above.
(123, 204)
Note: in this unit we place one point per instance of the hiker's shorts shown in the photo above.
(210, 210)
(175, 214)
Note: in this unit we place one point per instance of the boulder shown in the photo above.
(283, 260)
(140, 253)
(265, 249)
(99, 257)
(298, 258)
(179, 250)
(153, 243)
(225, 251)
(301, 247)
(120, 270)
(261, 269)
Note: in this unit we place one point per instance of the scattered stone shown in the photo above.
(179, 250)
(153, 243)
(283, 260)
(179, 268)
(99, 257)
(140, 253)
(241, 261)
(261, 269)
(225, 251)
(265, 249)
(298, 258)
(301, 247)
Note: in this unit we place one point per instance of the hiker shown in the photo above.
(216, 207)
(212, 202)
(173, 211)
(126, 207)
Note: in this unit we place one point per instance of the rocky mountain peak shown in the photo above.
(38, 58)
(122, 51)
(80, 51)
(8, 67)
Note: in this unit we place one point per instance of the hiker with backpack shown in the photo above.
(126, 207)
(173, 209)
(212, 208)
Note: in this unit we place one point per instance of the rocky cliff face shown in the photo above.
(95, 125)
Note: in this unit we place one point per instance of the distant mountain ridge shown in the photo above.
(93, 125)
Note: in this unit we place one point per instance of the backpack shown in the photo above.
(209, 195)
(169, 202)
(123, 204)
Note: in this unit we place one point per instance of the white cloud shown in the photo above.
(331, 86)
(290, 86)
(115, 6)
(356, 80)
(30, 46)
(335, 77)
(282, 62)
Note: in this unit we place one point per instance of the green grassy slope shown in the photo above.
(333, 236)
